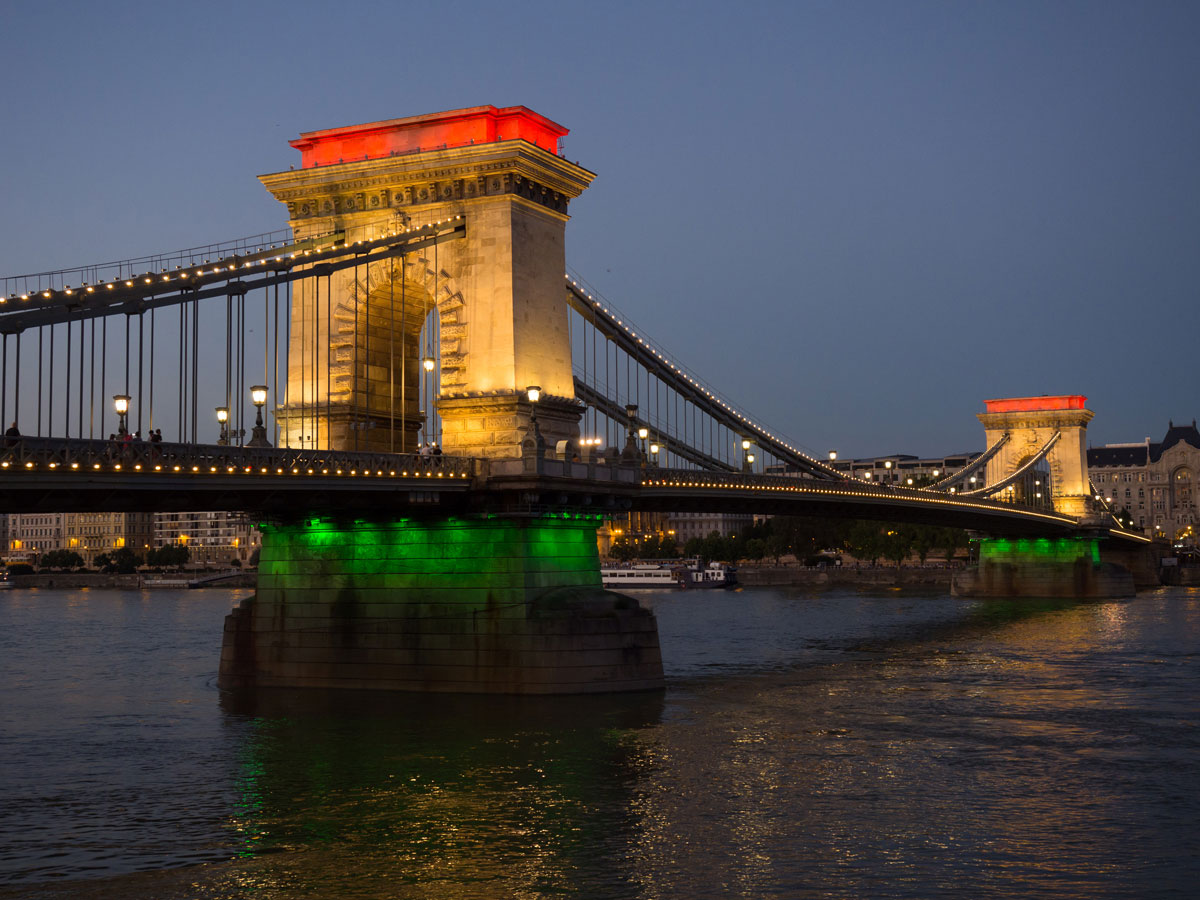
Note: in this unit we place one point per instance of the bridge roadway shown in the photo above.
(57, 475)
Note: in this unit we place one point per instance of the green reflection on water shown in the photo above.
(435, 790)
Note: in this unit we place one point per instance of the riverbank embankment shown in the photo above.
(937, 577)
(133, 582)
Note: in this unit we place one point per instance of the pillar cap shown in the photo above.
(412, 134)
(1043, 403)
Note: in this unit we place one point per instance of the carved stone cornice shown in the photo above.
(503, 401)
(1055, 418)
(428, 178)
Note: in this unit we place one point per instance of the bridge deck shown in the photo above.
(55, 475)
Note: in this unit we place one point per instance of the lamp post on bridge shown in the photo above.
(747, 456)
(534, 393)
(223, 418)
(121, 404)
(258, 435)
(656, 447)
(428, 364)
(631, 454)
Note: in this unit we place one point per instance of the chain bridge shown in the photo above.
(430, 416)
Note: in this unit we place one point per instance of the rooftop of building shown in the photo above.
(1126, 455)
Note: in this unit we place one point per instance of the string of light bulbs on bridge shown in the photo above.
(229, 268)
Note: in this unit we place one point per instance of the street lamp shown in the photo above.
(630, 452)
(223, 418)
(747, 456)
(534, 393)
(833, 456)
(427, 363)
(258, 436)
(121, 404)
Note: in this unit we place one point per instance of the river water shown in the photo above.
(822, 745)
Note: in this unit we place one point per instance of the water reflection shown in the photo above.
(436, 794)
(831, 745)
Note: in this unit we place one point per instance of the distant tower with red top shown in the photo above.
(1030, 423)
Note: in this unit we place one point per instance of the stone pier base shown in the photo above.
(462, 605)
(1061, 568)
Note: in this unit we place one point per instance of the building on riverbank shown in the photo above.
(29, 536)
(32, 534)
(1154, 480)
(93, 534)
(211, 537)
(689, 525)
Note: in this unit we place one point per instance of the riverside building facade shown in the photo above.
(1155, 481)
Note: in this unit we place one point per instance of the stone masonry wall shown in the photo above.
(470, 605)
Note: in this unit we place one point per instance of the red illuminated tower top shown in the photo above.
(456, 128)
(1036, 404)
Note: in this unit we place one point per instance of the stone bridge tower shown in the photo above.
(497, 294)
(1032, 421)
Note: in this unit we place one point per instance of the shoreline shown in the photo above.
(133, 582)
(847, 576)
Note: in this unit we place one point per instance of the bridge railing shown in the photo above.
(592, 470)
(655, 477)
(37, 453)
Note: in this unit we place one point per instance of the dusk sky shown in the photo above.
(857, 220)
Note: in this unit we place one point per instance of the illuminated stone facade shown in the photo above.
(93, 534)
(1030, 423)
(490, 303)
(1155, 481)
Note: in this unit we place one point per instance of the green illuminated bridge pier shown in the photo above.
(430, 419)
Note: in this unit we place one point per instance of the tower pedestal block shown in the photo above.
(483, 605)
(1066, 568)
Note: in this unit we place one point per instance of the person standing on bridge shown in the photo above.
(12, 435)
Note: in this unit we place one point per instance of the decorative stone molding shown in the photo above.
(402, 182)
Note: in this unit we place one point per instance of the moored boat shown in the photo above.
(684, 574)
